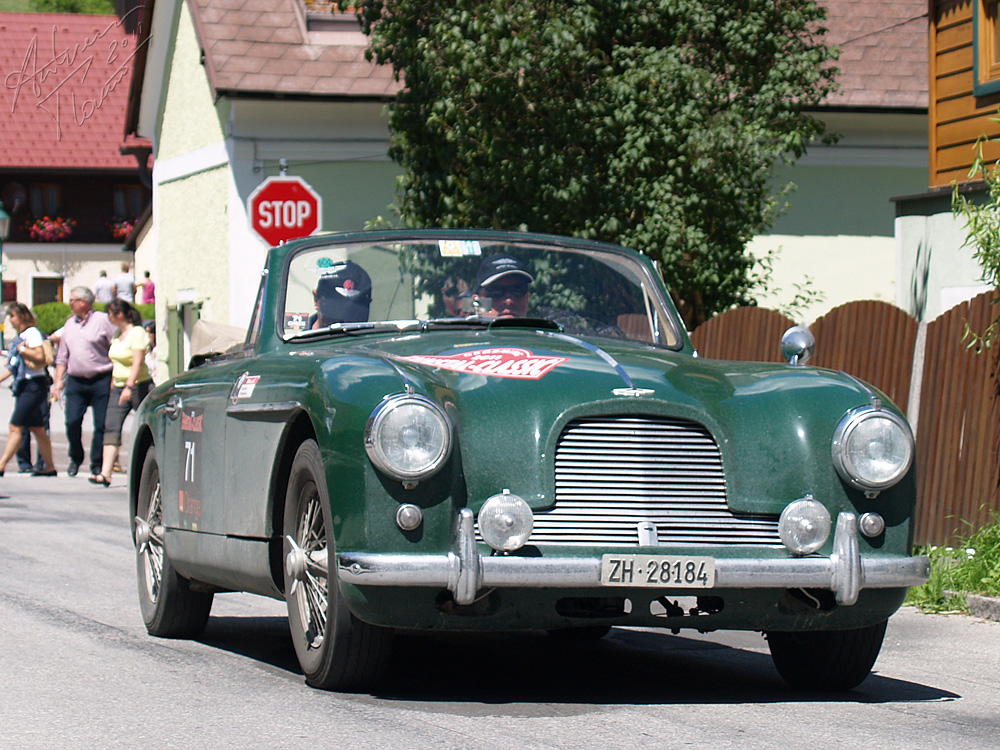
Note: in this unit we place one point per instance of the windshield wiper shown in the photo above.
(484, 321)
(543, 323)
(471, 321)
(346, 329)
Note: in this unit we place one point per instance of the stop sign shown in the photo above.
(283, 208)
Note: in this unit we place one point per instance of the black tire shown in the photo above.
(336, 650)
(826, 660)
(581, 634)
(170, 608)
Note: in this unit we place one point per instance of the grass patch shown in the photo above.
(972, 567)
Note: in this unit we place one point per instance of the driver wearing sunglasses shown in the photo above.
(502, 283)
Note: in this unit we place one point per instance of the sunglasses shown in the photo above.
(450, 292)
(503, 291)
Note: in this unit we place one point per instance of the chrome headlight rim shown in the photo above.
(841, 455)
(376, 422)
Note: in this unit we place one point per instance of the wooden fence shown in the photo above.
(950, 393)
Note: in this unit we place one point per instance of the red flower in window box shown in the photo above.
(121, 228)
(51, 230)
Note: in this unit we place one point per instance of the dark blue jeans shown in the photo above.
(81, 394)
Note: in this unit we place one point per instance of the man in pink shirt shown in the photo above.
(83, 369)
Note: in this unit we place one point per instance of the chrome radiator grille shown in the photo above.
(614, 473)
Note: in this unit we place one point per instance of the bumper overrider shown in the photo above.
(464, 571)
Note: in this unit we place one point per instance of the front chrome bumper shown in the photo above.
(463, 571)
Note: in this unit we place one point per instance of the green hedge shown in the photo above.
(52, 315)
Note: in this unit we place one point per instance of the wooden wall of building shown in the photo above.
(957, 117)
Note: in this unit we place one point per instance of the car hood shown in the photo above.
(510, 392)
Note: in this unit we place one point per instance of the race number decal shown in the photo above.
(189, 500)
(507, 362)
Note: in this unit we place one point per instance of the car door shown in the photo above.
(192, 474)
(256, 420)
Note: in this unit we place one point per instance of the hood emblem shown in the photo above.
(635, 392)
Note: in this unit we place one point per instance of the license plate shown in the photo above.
(659, 571)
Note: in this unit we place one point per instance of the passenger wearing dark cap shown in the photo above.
(343, 295)
(504, 281)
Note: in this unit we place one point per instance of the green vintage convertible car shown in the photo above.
(481, 430)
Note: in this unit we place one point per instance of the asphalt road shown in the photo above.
(78, 669)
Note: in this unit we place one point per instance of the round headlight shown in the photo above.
(804, 526)
(872, 448)
(505, 522)
(408, 437)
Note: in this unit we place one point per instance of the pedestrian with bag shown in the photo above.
(24, 464)
(83, 372)
(28, 366)
(130, 380)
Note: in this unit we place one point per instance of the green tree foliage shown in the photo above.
(75, 6)
(982, 220)
(652, 123)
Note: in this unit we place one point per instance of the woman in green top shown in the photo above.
(130, 380)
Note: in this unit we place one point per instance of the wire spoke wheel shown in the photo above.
(150, 548)
(335, 650)
(170, 608)
(311, 539)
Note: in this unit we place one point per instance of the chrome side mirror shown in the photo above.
(797, 345)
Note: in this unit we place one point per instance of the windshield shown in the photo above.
(448, 282)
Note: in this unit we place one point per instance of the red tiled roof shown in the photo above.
(260, 47)
(883, 52)
(65, 90)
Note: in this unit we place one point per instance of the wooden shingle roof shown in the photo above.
(263, 48)
(883, 53)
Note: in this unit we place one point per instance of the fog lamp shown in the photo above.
(505, 522)
(804, 526)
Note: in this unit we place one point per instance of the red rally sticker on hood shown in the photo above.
(494, 363)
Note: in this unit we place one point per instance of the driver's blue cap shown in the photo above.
(344, 292)
(498, 266)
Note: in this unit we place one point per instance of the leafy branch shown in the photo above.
(982, 220)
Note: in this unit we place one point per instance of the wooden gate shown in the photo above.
(958, 433)
(752, 334)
